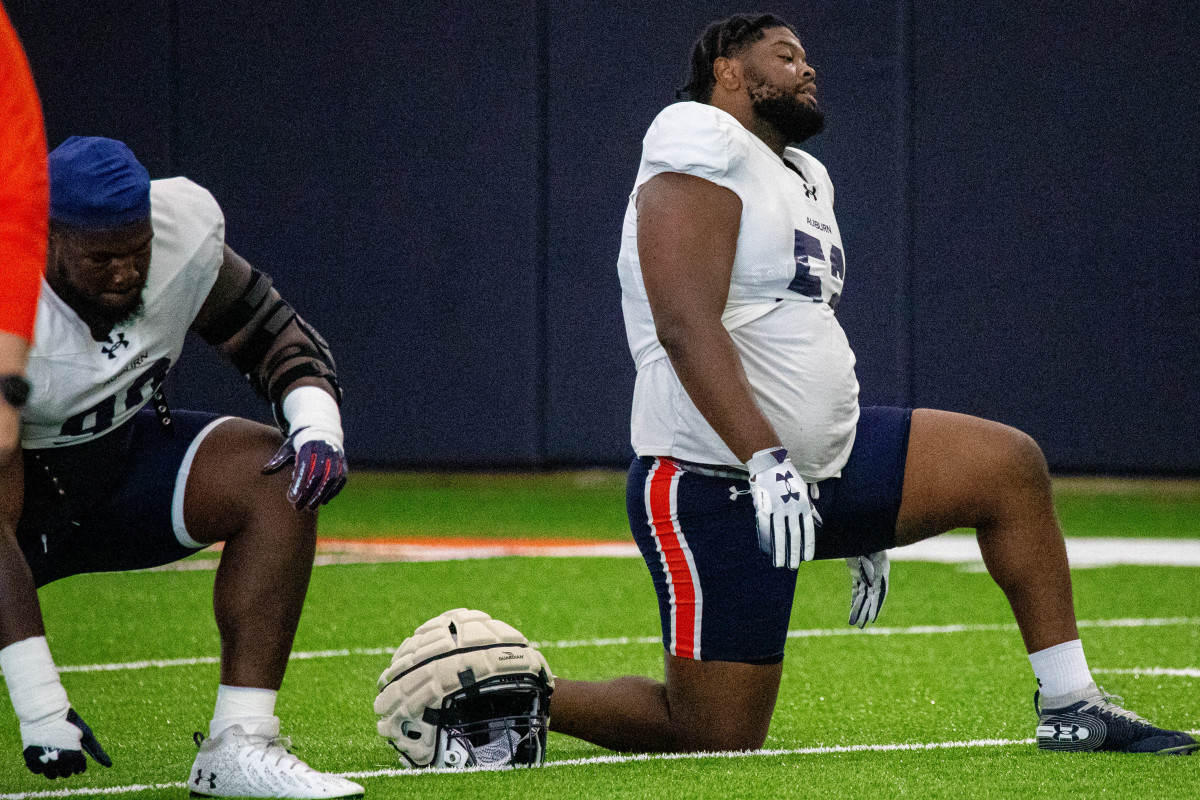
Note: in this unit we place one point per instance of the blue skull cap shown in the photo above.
(97, 183)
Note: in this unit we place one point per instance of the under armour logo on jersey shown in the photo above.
(734, 492)
(120, 342)
(788, 492)
(810, 192)
(212, 778)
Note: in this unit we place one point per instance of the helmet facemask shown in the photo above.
(499, 723)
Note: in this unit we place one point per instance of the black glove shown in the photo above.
(320, 471)
(56, 763)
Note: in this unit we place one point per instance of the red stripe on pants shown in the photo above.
(664, 523)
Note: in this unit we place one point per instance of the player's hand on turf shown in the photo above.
(55, 748)
(868, 586)
(320, 470)
(787, 521)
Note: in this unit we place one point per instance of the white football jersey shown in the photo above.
(788, 272)
(81, 388)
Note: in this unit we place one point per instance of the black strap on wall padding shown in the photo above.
(240, 311)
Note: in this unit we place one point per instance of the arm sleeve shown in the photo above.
(24, 188)
(694, 139)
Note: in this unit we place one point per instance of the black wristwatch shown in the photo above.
(16, 390)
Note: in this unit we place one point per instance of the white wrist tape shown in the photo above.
(37, 694)
(765, 459)
(312, 408)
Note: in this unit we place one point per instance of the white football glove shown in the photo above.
(787, 521)
(868, 586)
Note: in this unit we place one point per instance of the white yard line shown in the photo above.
(794, 751)
(1182, 672)
(583, 762)
(627, 759)
(1083, 552)
(84, 791)
(915, 630)
(571, 762)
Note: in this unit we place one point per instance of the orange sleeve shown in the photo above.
(24, 188)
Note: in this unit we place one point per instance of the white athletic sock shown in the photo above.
(1061, 669)
(242, 705)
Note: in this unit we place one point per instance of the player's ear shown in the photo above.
(728, 73)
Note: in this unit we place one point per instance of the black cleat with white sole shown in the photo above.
(1090, 720)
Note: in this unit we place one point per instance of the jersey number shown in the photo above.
(807, 247)
(106, 410)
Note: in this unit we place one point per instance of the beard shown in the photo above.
(100, 315)
(796, 119)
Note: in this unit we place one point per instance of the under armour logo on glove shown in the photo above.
(787, 531)
(58, 762)
(212, 778)
(788, 492)
(319, 474)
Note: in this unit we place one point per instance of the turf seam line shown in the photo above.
(646, 640)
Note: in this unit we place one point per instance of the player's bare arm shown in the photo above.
(687, 238)
(20, 614)
(37, 693)
(687, 235)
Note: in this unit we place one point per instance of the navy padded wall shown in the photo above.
(1056, 222)
(378, 160)
(439, 187)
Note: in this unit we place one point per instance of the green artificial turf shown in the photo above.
(1090, 507)
(842, 690)
(576, 505)
(591, 505)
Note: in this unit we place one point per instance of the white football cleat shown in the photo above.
(257, 764)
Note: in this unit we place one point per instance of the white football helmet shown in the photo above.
(466, 690)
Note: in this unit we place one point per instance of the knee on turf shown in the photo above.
(722, 738)
(727, 729)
